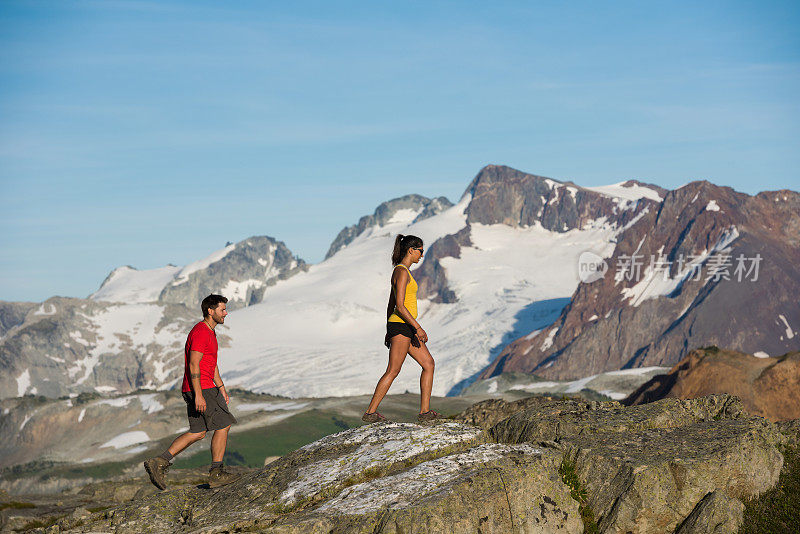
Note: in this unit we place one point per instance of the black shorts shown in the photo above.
(403, 329)
(216, 416)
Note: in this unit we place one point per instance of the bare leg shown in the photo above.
(184, 440)
(397, 354)
(218, 443)
(423, 357)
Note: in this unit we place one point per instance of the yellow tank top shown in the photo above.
(410, 301)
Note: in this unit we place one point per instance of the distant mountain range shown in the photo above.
(512, 281)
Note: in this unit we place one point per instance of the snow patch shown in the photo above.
(235, 290)
(126, 439)
(634, 371)
(269, 406)
(126, 284)
(149, 403)
(46, 309)
(25, 421)
(761, 354)
(119, 402)
(634, 192)
(199, 265)
(712, 206)
(80, 416)
(403, 216)
(23, 382)
(789, 331)
(548, 341)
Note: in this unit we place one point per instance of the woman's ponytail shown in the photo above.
(401, 245)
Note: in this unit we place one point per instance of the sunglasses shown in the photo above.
(417, 248)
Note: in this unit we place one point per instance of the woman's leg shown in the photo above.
(423, 357)
(397, 354)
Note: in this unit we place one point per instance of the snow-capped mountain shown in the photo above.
(707, 266)
(240, 271)
(321, 332)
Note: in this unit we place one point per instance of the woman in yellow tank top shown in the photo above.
(404, 335)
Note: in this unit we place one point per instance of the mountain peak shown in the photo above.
(408, 208)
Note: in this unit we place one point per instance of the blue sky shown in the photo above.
(146, 133)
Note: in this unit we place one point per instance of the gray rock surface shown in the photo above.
(426, 207)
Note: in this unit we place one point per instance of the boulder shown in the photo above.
(647, 468)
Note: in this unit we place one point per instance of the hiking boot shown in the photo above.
(430, 415)
(157, 469)
(219, 477)
(373, 417)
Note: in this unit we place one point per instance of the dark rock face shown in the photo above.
(242, 275)
(431, 276)
(13, 314)
(502, 195)
(769, 387)
(427, 207)
(613, 323)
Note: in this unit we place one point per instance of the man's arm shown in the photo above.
(194, 376)
(220, 385)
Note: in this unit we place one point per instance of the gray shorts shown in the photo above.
(216, 416)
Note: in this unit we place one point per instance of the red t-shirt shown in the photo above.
(202, 339)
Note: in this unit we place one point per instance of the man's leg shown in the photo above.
(218, 443)
(184, 440)
(217, 476)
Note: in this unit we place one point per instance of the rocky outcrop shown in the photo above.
(551, 466)
(422, 208)
(658, 467)
(387, 478)
(243, 273)
(654, 313)
(769, 387)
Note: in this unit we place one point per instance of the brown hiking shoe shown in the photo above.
(373, 417)
(157, 469)
(430, 415)
(219, 477)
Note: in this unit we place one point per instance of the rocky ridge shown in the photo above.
(769, 387)
(546, 466)
(422, 207)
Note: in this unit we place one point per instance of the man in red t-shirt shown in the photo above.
(205, 396)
